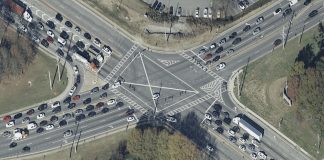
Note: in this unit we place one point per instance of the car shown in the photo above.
(94, 90)
(23, 28)
(306, 2)
(72, 90)
(45, 43)
(119, 104)
(26, 120)
(87, 35)
(179, 12)
(197, 12)
(218, 122)
(89, 108)
(79, 111)
(80, 44)
(130, 118)
(277, 11)
(171, 11)
(202, 51)
(49, 127)
(210, 15)
(12, 145)
(216, 113)
(35, 39)
(32, 125)
(216, 58)
(219, 50)
(67, 100)
(78, 79)
(40, 115)
(99, 105)
(76, 70)
(251, 147)
(59, 17)
(230, 51)
(50, 24)
(60, 52)
(105, 87)
(210, 147)
(92, 114)
(76, 98)
(158, 6)
(220, 130)
(207, 122)
(10, 124)
(97, 42)
(242, 147)
(220, 66)
(107, 50)
(256, 31)
(67, 116)
(236, 129)
(253, 156)
(42, 107)
(80, 117)
(71, 105)
(68, 24)
(104, 110)
(68, 133)
(6, 134)
(287, 12)
(313, 13)
(155, 96)
(233, 35)
(205, 13)
(57, 110)
(26, 149)
(62, 123)
(212, 46)
(241, 5)
(54, 119)
(18, 115)
(40, 25)
(43, 123)
(231, 132)
(237, 41)
(232, 139)
(87, 101)
(50, 33)
(77, 29)
(227, 121)
(262, 155)
(69, 58)
(56, 104)
(111, 101)
(40, 130)
(242, 139)
(116, 84)
(259, 20)
(246, 28)
(208, 116)
(130, 111)
(246, 3)
(221, 42)
(256, 142)
(49, 39)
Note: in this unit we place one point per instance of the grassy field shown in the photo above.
(262, 93)
(99, 149)
(18, 92)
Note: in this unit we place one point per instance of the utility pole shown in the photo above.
(58, 67)
(283, 37)
(76, 146)
(50, 81)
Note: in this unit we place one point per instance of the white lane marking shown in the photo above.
(145, 85)
(178, 102)
(211, 105)
(137, 97)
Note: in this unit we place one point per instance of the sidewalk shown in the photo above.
(246, 109)
(69, 70)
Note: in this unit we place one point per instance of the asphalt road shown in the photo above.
(185, 75)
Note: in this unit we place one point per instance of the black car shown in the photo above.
(43, 123)
(71, 105)
(313, 13)
(67, 100)
(216, 58)
(92, 114)
(171, 10)
(154, 4)
(57, 110)
(217, 107)
(64, 35)
(104, 95)
(219, 50)
(60, 52)
(42, 107)
(87, 35)
(30, 112)
(80, 117)
(50, 24)
(216, 113)
(26, 149)
(105, 87)
(40, 130)
(67, 116)
(68, 24)
(218, 122)
(13, 144)
(287, 12)
(80, 44)
(120, 104)
(105, 110)
(78, 79)
(40, 25)
(62, 123)
(95, 89)
(233, 35)
(45, 43)
(90, 108)
(226, 114)
(246, 28)
(59, 17)
(220, 130)
(130, 112)
(18, 115)
(227, 121)
(236, 129)
(69, 58)
(237, 41)
(307, 2)
(87, 101)
(54, 119)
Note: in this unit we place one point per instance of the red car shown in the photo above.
(49, 39)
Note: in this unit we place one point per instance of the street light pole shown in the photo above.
(50, 81)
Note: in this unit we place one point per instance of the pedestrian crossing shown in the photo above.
(129, 101)
(121, 63)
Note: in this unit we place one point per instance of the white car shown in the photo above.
(208, 116)
(262, 155)
(49, 127)
(116, 84)
(35, 39)
(76, 70)
(171, 119)
(72, 90)
(56, 104)
(156, 96)
(205, 12)
(68, 133)
(256, 31)
(241, 5)
(106, 49)
(231, 132)
(50, 33)
(242, 140)
(23, 28)
(210, 15)
(41, 115)
(210, 147)
(277, 11)
(97, 42)
(32, 125)
(253, 156)
(25, 120)
(259, 20)
(130, 118)
(242, 147)
(10, 124)
(197, 13)
(220, 66)
(256, 142)
(111, 102)
(212, 46)
(61, 41)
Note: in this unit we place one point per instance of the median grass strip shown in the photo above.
(262, 93)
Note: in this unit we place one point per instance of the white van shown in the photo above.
(61, 41)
